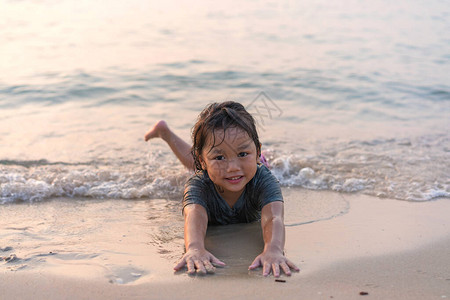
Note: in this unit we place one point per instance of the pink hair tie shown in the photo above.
(264, 161)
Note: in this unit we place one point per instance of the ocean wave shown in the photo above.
(40, 183)
(307, 87)
(404, 169)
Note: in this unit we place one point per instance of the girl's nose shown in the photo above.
(233, 165)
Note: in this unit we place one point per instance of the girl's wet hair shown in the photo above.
(224, 115)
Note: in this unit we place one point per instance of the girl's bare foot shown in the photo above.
(180, 148)
(160, 129)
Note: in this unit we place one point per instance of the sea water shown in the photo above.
(350, 96)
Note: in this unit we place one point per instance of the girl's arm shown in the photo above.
(272, 258)
(196, 257)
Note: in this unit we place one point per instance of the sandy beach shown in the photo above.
(373, 248)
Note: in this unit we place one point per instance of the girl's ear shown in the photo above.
(202, 162)
(258, 152)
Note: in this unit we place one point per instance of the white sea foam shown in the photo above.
(381, 169)
(39, 183)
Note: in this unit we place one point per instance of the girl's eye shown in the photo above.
(220, 157)
(243, 154)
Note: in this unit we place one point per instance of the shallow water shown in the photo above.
(90, 238)
(350, 96)
(126, 242)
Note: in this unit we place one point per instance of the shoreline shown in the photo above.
(388, 248)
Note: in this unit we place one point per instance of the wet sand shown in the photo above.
(110, 249)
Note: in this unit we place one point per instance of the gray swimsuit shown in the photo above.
(263, 189)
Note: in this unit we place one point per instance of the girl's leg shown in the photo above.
(180, 148)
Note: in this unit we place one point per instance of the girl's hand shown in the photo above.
(200, 261)
(273, 261)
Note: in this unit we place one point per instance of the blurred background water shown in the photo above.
(350, 96)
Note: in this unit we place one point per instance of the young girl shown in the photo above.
(230, 186)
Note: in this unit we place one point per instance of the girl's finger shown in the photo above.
(276, 270)
(292, 265)
(256, 263)
(200, 267)
(180, 265)
(191, 267)
(208, 266)
(216, 262)
(285, 269)
(266, 269)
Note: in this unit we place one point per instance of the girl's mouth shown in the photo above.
(235, 179)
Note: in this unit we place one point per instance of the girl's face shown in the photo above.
(232, 163)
